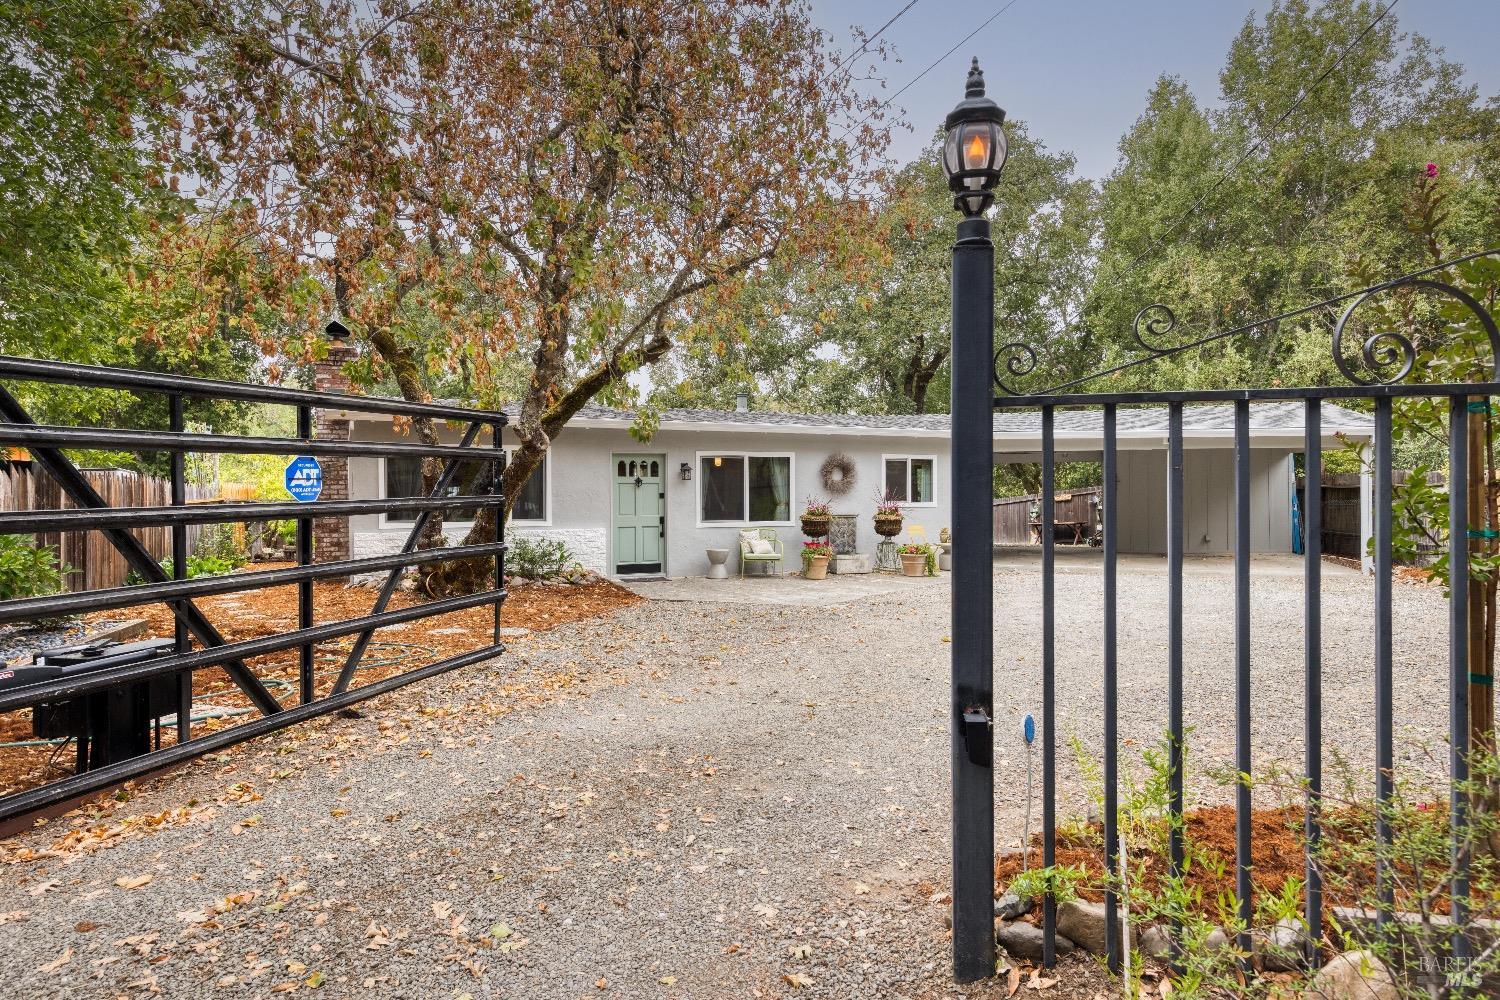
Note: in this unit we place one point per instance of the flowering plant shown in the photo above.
(816, 508)
(886, 504)
(926, 551)
(812, 550)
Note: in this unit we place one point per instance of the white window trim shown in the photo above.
(908, 460)
(791, 504)
(387, 522)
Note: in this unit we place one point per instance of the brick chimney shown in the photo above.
(331, 534)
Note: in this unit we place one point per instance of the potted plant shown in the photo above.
(815, 556)
(815, 518)
(918, 559)
(887, 515)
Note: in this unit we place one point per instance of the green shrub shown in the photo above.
(197, 566)
(28, 570)
(220, 543)
(537, 558)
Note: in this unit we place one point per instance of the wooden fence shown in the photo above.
(1341, 527)
(93, 562)
(1012, 515)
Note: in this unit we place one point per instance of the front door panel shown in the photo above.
(640, 508)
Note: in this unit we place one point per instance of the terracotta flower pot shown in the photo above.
(889, 527)
(815, 527)
(816, 568)
(913, 565)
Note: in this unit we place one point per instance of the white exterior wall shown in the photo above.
(580, 491)
(1208, 500)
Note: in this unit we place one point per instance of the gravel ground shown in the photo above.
(19, 644)
(681, 800)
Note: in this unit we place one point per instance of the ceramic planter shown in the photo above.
(889, 527)
(816, 568)
(913, 565)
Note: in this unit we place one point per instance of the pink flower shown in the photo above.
(1431, 170)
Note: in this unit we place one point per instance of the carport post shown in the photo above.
(973, 611)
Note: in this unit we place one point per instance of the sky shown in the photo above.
(1077, 71)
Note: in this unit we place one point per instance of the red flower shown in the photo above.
(1432, 170)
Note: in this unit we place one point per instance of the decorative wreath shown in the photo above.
(838, 474)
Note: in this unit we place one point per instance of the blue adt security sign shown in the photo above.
(304, 479)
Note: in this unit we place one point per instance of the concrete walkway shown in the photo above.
(785, 590)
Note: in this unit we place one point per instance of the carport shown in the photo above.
(1276, 437)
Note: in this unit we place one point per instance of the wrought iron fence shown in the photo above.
(198, 644)
(1377, 369)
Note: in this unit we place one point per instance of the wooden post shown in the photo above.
(1481, 660)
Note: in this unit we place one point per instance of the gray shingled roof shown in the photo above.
(1269, 416)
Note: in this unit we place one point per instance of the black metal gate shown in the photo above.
(198, 644)
(1377, 367)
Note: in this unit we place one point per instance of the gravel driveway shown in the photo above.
(681, 800)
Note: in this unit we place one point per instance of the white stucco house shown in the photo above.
(628, 509)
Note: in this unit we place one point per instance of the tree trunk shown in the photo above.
(409, 381)
(536, 434)
(920, 373)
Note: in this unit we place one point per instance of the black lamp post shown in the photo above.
(973, 156)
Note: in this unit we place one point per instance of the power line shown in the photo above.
(881, 30)
(1250, 149)
(931, 66)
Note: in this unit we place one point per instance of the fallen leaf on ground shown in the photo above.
(133, 881)
(1036, 982)
(59, 961)
(796, 980)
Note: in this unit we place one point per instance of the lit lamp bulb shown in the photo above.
(976, 153)
(718, 461)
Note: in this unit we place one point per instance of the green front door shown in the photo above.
(640, 513)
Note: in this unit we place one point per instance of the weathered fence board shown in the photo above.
(92, 561)
(1013, 514)
(1341, 516)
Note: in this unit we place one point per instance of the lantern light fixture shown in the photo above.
(685, 471)
(975, 147)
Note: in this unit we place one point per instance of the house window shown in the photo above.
(909, 478)
(741, 488)
(403, 478)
